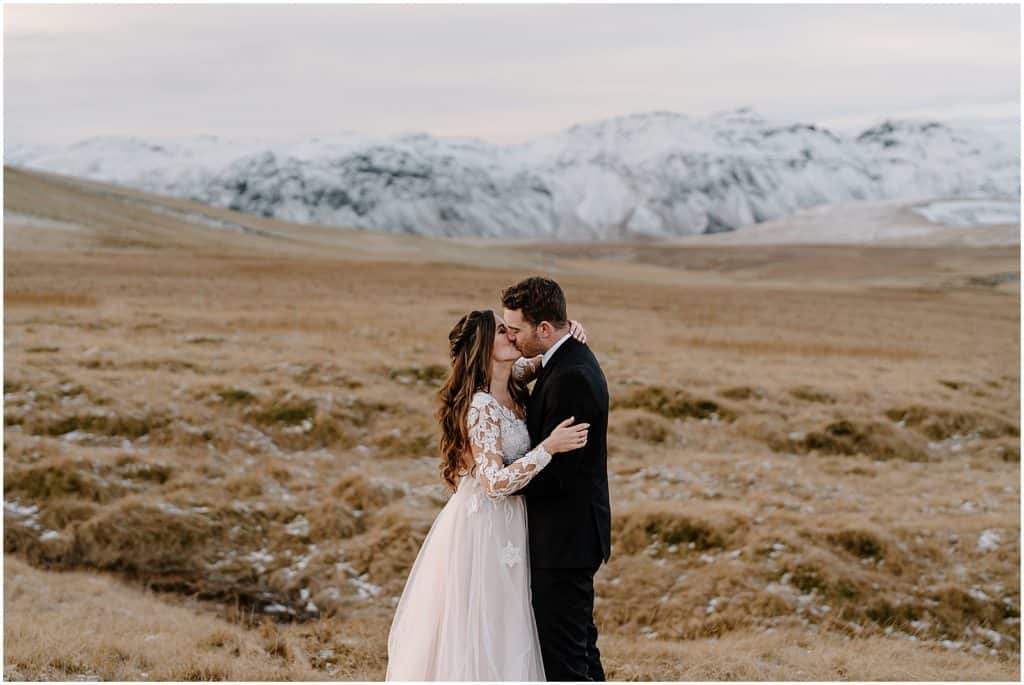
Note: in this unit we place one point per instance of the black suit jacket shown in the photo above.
(567, 503)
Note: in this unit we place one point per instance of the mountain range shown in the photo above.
(648, 175)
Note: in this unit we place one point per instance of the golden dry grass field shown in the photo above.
(220, 456)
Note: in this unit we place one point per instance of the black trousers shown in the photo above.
(563, 605)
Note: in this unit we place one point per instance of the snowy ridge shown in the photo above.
(657, 174)
(976, 223)
(970, 212)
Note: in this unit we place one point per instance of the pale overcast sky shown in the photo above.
(502, 73)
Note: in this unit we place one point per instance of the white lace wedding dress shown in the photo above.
(466, 612)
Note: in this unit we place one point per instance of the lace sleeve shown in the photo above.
(525, 368)
(485, 442)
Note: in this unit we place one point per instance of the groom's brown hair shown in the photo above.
(539, 299)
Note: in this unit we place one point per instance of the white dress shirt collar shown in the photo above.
(551, 350)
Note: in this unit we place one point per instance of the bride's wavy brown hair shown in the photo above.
(471, 344)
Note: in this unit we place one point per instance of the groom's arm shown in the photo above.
(572, 395)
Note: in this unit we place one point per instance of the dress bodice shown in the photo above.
(515, 438)
(500, 443)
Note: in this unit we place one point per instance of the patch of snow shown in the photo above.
(29, 513)
(259, 559)
(276, 608)
(981, 212)
(994, 637)
(364, 588)
(298, 526)
(979, 594)
(988, 541)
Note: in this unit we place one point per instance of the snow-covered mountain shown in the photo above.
(656, 174)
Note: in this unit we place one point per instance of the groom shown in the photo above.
(568, 512)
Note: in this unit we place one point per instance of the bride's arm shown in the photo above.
(525, 368)
(485, 442)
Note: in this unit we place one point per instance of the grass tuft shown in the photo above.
(674, 404)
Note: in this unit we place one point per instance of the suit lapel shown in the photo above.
(534, 420)
(546, 368)
(533, 417)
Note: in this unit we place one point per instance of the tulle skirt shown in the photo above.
(466, 612)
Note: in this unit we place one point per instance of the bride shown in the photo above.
(465, 612)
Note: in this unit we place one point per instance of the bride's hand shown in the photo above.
(566, 437)
(577, 331)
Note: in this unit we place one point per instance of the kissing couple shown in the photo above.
(502, 587)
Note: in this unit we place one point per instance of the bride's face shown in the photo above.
(504, 349)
